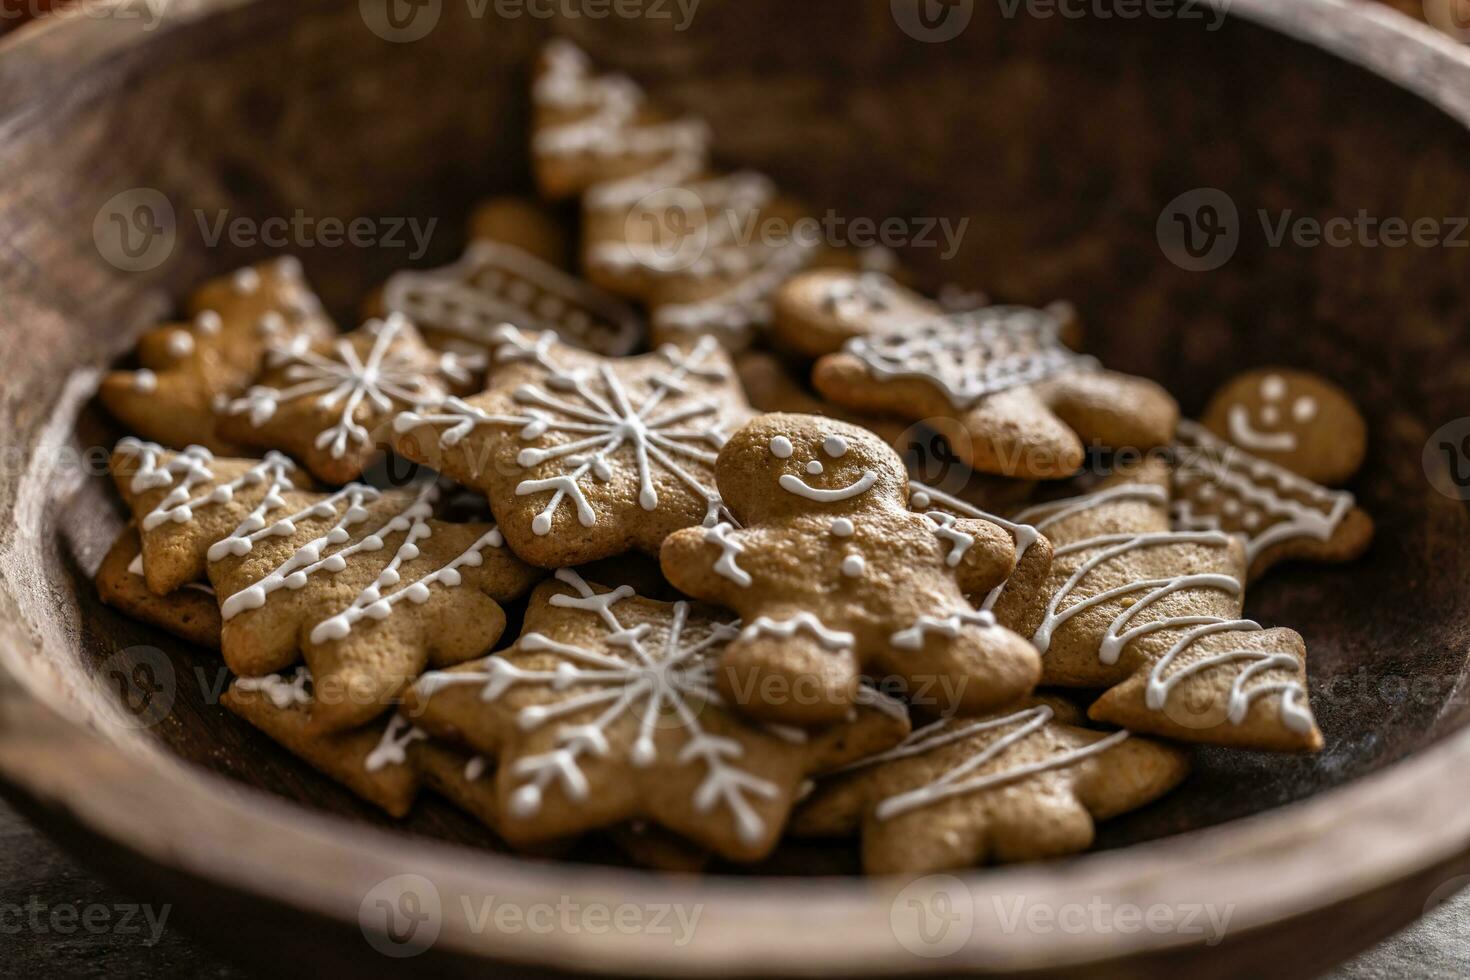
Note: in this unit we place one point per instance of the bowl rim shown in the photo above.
(1375, 831)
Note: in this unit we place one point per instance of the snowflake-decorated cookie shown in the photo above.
(1294, 419)
(1027, 406)
(1022, 783)
(834, 576)
(605, 711)
(585, 457)
(819, 311)
(371, 761)
(189, 612)
(1154, 616)
(1280, 516)
(187, 368)
(323, 402)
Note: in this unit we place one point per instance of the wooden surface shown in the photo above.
(266, 107)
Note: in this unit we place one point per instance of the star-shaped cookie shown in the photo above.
(1019, 784)
(323, 402)
(835, 576)
(1027, 406)
(605, 711)
(187, 368)
(585, 457)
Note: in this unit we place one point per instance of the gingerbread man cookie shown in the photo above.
(323, 402)
(1020, 784)
(834, 575)
(1154, 616)
(1295, 419)
(585, 457)
(1278, 515)
(187, 368)
(605, 711)
(1026, 404)
(818, 312)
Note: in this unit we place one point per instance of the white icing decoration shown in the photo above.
(475, 767)
(730, 550)
(802, 622)
(798, 486)
(1273, 387)
(282, 692)
(1304, 409)
(392, 748)
(921, 497)
(842, 527)
(960, 780)
(655, 684)
(781, 447)
(946, 626)
(1242, 432)
(246, 281)
(145, 381)
(392, 376)
(1273, 504)
(494, 283)
(815, 467)
(607, 423)
(209, 322)
(180, 343)
(1102, 549)
(834, 446)
(189, 469)
(853, 566)
(969, 356)
(744, 305)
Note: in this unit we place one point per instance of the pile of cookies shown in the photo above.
(740, 616)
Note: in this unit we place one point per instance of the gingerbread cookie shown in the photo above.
(370, 761)
(185, 501)
(323, 402)
(1295, 419)
(772, 386)
(1019, 601)
(496, 282)
(189, 613)
(834, 576)
(1025, 403)
(365, 585)
(818, 312)
(1154, 616)
(523, 224)
(605, 711)
(187, 368)
(1280, 516)
(585, 457)
(1022, 783)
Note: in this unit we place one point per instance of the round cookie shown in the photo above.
(1294, 419)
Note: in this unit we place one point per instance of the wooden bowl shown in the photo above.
(1061, 140)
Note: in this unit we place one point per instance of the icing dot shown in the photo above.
(781, 447)
(920, 500)
(1304, 409)
(1273, 387)
(853, 566)
(814, 467)
(208, 322)
(842, 527)
(1271, 415)
(145, 381)
(834, 446)
(180, 344)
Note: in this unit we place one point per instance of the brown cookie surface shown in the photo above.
(819, 311)
(604, 711)
(1295, 419)
(189, 613)
(834, 575)
(585, 457)
(1022, 783)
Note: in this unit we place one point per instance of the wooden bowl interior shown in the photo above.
(1060, 141)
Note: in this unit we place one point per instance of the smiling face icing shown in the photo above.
(1292, 418)
(789, 463)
